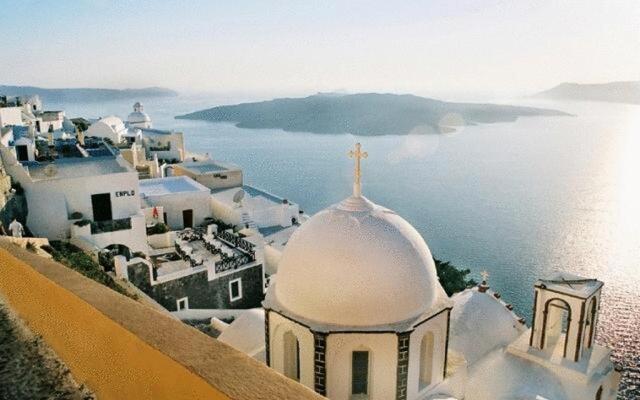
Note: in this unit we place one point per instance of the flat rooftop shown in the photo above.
(207, 167)
(153, 131)
(571, 284)
(170, 185)
(226, 194)
(75, 167)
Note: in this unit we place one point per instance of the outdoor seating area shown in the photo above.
(226, 250)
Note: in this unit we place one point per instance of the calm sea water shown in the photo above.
(518, 199)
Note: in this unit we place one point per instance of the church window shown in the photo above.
(235, 289)
(426, 360)
(360, 372)
(291, 356)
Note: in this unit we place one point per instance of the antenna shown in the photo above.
(238, 196)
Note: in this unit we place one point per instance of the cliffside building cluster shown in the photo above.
(130, 194)
(347, 302)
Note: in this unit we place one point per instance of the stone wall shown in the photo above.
(201, 292)
(320, 365)
(403, 365)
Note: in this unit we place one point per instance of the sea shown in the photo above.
(520, 199)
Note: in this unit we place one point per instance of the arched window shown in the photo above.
(556, 324)
(360, 373)
(291, 356)
(599, 393)
(426, 360)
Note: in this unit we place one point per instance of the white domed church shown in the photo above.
(356, 311)
(138, 118)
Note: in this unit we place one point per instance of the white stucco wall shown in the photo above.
(31, 148)
(10, 116)
(175, 140)
(134, 238)
(7, 137)
(173, 204)
(278, 326)
(103, 129)
(54, 124)
(438, 327)
(224, 212)
(383, 361)
(213, 180)
(263, 212)
(51, 201)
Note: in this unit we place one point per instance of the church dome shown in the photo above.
(356, 264)
(138, 116)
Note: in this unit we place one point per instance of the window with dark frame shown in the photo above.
(359, 372)
(235, 289)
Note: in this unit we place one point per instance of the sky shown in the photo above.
(294, 47)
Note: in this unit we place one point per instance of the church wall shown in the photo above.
(278, 326)
(383, 359)
(438, 326)
(576, 333)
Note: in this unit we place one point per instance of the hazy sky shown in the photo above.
(286, 47)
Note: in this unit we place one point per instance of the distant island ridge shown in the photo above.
(75, 95)
(614, 92)
(366, 114)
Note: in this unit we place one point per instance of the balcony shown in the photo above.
(129, 231)
(110, 226)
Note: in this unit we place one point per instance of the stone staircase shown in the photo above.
(144, 172)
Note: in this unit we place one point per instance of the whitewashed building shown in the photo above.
(47, 121)
(203, 271)
(356, 311)
(185, 202)
(110, 127)
(251, 207)
(138, 118)
(213, 174)
(94, 200)
(10, 116)
(163, 144)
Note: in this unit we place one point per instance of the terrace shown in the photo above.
(223, 251)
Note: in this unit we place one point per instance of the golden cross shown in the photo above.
(358, 155)
(485, 275)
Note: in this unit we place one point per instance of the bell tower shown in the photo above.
(565, 315)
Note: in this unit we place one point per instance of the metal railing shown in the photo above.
(111, 225)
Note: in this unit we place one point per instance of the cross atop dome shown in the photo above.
(357, 155)
(484, 286)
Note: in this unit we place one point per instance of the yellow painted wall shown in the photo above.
(110, 360)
